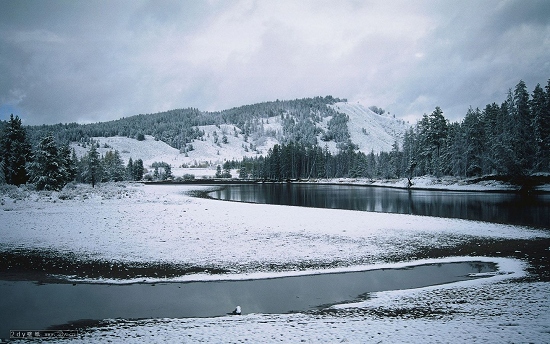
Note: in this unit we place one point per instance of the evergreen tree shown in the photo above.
(113, 166)
(15, 152)
(138, 170)
(540, 124)
(48, 170)
(243, 174)
(226, 170)
(522, 133)
(92, 167)
(473, 138)
(492, 127)
(130, 169)
(395, 168)
(2, 178)
(69, 161)
(545, 130)
(168, 172)
(437, 134)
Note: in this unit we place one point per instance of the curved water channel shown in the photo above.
(38, 306)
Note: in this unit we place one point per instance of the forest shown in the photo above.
(179, 127)
(511, 139)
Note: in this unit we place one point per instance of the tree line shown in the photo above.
(50, 166)
(510, 139)
(180, 127)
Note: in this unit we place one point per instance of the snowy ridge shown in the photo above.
(370, 131)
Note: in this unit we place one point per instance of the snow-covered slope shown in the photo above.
(370, 131)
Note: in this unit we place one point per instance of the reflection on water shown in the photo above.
(532, 210)
(36, 307)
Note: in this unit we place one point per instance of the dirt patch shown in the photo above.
(534, 251)
(47, 266)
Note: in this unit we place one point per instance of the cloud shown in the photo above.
(94, 61)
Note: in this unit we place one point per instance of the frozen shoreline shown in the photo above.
(132, 222)
(508, 268)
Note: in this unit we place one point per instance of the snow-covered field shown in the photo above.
(160, 223)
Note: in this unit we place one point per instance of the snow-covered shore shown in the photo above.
(160, 223)
(433, 183)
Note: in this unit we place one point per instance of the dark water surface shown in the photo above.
(509, 208)
(31, 306)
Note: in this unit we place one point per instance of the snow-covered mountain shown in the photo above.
(222, 142)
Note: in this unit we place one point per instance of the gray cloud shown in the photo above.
(65, 61)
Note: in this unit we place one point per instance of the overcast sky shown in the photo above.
(90, 61)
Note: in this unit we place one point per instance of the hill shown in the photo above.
(218, 143)
(191, 138)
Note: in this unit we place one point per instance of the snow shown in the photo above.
(159, 223)
(431, 183)
(151, 223)
(381, 130)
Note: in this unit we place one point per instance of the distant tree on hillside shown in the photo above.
(377, 110)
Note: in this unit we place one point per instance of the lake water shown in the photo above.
(509, 208)
(37, 307)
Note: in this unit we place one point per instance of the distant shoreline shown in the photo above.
(491, 184)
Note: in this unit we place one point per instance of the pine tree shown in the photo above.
(114, 167)
(226, 170)
(473, 132)
(545, 130)
(522, 133)
(130, 169)
(15, 152)
(69, 161)
(492, 127)
(437, 133)
(540, 120)
(395, 161)
(243, 174)
(138, 170)
(92, 166)
(47, 170)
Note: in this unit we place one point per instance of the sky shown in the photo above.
(91, 61)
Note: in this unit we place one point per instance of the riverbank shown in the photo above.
(159, 227)
(479, 184)
(535, 183)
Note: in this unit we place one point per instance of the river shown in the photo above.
(508, 208)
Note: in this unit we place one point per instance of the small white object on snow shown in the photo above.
(237, 311)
